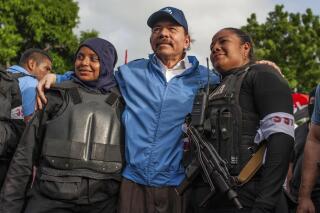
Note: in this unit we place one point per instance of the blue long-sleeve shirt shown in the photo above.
(153, 118)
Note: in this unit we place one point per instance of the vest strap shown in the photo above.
(18, 75)
(114, 96)
(75, 95)
(252, 166)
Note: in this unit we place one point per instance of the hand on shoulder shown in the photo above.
(272, 64)
(45, 83)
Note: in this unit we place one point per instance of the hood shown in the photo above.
(108, 58)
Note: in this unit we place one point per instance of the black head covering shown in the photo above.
(108, 58)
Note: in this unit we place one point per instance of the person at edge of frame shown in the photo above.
(301, 133)
(308, 199)
(34, 64)
(18, 107)
(75, 143)
(261, 112)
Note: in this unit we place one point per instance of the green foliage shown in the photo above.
(292, 41)
(44, 24)
(88, 34)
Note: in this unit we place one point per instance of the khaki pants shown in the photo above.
(136, 198)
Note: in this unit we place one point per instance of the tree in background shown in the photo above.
(88, 34)
(292, 40)
(45, 24)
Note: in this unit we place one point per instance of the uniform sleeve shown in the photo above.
(28, 93)
(19, 175)
(10, 132)
(272, 97)
(316, 111)
(11, 124)
(271, 92)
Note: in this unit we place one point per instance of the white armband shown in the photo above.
(278, 122)
(16, 113)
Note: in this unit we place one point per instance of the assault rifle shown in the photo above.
(213, 168)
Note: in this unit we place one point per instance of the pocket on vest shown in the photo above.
(60, 188)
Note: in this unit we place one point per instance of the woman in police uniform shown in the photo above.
(74, 143)
(251, 107)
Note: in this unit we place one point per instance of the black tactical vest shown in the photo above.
(10, 98)
(232, 129)
(87, 134)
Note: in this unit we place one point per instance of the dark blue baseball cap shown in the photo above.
(171, 13)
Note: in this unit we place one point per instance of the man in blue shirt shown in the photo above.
(34, 64)
(310, 170)
(159, 93)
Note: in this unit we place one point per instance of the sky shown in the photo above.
(123, 22)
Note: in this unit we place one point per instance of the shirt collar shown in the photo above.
(17, 68)
(181, 65)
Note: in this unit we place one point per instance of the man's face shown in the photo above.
(41, 69)
(87, 64)
(169, 40)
